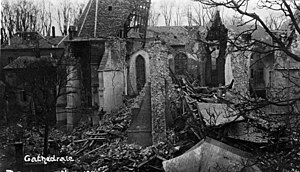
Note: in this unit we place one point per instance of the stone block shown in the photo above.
(211, 155)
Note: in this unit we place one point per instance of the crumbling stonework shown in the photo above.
(132, 78)
(111, 76)
(240, 71)
(73, 90)
(217, 35)
(140, 130)
(284, 82)
(191, 64)
(160, 81)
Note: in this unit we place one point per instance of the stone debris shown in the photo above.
(101, 147)
(208, 155)
(198, 117)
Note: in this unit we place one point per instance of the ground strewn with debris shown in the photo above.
(200, 113)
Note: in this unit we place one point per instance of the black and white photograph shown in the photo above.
(150, 86)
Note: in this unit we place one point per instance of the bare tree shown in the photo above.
(274, 22)
(153, 16)
(18, 16)
(167, 11)
(25, 15)
(68, 13)
(199, 14)
(179, 14)
(281, 43)
(7, 19)
(289, 8)
(44, 80)
(189, 15)
(46, 17)
(234, 20)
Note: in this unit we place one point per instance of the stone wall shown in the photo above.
(141, 126)
(73, 93)
(160, 81)
(284, 82)
(192, 63)
(132, 70)
(240, 71)
(111, 76)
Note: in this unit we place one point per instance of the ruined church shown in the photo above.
(115, 54)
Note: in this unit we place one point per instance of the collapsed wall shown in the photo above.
(111, 76)
(238, 64)
(160, 89)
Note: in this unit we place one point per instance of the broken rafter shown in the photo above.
(85, 18)
(94, 150)
(145, 162)
(100, 134)
(97, 138)
(78, 141)
(96, 18)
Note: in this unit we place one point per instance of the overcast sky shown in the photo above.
(225, 13)
(182, 5)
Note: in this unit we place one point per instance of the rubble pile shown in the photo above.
(105, 147)
(201, 113)
(101, 147)
(102, 150)
(237, 121)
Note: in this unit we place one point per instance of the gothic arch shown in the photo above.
(140, 73)
(138, 61)
(180, 63)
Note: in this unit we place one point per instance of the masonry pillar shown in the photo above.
(240, 71)
(95, 96)
(208, 69)
(202, 71)
(221, 69)
(221, 59)
(160, 80)
(61, 116)
(73, 95)
(95, 84)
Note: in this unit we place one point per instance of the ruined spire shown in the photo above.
(216, 30)
(104, 18)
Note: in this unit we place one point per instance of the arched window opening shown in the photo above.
(214, 56)
(181, 64)
(140, 73)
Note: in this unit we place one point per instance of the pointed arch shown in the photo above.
(139, 70)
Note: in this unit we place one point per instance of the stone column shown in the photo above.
(221, 70)
(208, 69)
(240, 70)
(94, 84)
(61, 116)
(160, 79)
(73, 95)
(202, 71)
(101, 89)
